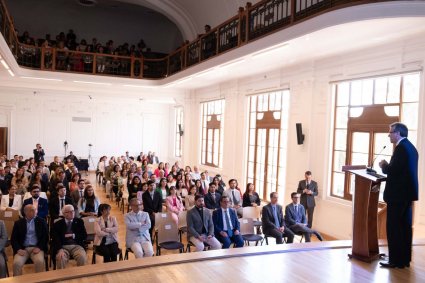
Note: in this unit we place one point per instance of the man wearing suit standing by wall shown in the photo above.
(401, 190)
(308, 190)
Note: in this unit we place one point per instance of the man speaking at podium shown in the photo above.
(400, 190)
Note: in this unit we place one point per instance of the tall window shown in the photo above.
(212, 132)
(267, 143)
(363, 111)
(178, 141)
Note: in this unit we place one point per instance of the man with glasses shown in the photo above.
(40, 204)
(296, 220)
(273, 223)
(226, 225)
(401, 189)
(137, 236)
(68, 238)
(29, 240)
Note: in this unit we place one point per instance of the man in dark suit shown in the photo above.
(200, 226)
(273, 223)
(308, 190)
(226, 225)
(295, 218)
(68, 238)
(38, 153)
(401, 190)
(39, 203)
(56, 204)
(29, 240)
(212, 199)
(152, 203)
(55, 164)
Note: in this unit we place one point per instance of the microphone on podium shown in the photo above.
(370, 169)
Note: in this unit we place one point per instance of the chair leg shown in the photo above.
(120, 256)
(126, 255)
(93, 261)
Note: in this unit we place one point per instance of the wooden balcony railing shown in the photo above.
(251, 23)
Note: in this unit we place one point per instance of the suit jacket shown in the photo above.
(152, 205)
(308, 200)
(237, 194)
(3, 235)
(38, 155)
(138, 225)
(59, 230)
(4, 186)
(112, 229)
(42, 209)
(17, 202)
(19, 233)
(195, 223)
(54, 206)
(267, 218)
(402, 174)
(218, 220)
(75, 196)
(293, 217)
(209, 200)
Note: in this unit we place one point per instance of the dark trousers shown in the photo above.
(275, 233)
(399, 232)
(109, 252)
(152, 229)
(227, 241)
(310, 211)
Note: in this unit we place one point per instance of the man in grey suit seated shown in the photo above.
(234, 197)
(137, 236)
(200, 226)
(296, 220)
(273, 222)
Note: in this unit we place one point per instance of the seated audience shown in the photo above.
(212, 199)
(73, 185)
(205, 182)
(37, 179)
(196, 175)
(250, 197)
(138, 224)
(79, 192)
(273, 222)
(234, 196)
(226, 225)
(11, 201)
(29, 240)
(296, 220)
(163, 188)
(40, 204)
(200, 226)
(3, 240)
(68, 239)
(106, 234)
(89, 204)
(174, 204)
(20, 182)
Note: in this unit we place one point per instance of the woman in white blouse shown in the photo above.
(11, 201)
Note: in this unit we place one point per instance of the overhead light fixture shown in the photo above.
(204, 73)
(183, 80)
(139, 86)
(233, 63)
(11, 73)
(42, 79)
(268, 50)
(93, 83)
(5, 65)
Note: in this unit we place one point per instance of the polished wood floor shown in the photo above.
(312, 262)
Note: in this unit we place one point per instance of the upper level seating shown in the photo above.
(251, 23)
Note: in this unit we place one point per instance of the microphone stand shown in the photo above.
(370, 169)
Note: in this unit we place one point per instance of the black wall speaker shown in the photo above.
(300, 136)
(180, 130)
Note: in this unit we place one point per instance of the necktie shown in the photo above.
(234, 198)
(81, 194)
(62, 203)
(276, 219)
(229, 229)
(213, 197)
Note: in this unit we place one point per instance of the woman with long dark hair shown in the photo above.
(88, 205)
(134, 187)
(250, 197)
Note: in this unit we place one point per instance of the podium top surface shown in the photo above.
(363, 173)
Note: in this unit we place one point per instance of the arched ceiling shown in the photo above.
(191, 16)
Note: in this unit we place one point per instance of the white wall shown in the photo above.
(311, 105)
(114, 125)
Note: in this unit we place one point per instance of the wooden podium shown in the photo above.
(365, 214)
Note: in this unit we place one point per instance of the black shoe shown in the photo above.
(390, 265)
(319, 236)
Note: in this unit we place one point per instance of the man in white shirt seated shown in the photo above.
(195, 175)
(234, 196)
(137, 235)
(200, 226)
